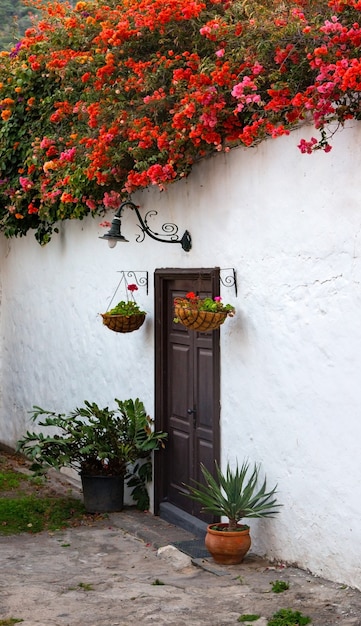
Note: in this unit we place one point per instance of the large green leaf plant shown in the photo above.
(96, 441)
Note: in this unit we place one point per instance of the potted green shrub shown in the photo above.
(235, 495)
(105, 446)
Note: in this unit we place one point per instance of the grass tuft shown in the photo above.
(287, 617)
(86, 586)
(279, 585)
(10, 480)
(157, 582)
(32, 514)
(31, 505)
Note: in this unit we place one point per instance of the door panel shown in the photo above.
(187, 391)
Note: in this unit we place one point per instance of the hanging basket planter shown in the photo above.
(126, 316)
(197, 314)
(123, 323)
(201, 321)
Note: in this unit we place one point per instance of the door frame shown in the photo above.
(161, 278)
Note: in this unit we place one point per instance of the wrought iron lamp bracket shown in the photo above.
(169, 231)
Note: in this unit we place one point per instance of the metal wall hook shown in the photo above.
(228, 278)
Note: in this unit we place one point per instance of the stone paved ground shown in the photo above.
(103, 575)
(110, 573)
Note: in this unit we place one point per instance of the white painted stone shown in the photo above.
(290, 225)
(174, 557)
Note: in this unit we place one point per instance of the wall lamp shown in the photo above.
(169, 230)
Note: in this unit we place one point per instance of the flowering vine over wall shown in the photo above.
(103, 99)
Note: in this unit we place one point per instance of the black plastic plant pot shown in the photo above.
(103, 494)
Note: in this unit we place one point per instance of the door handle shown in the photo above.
(193, 412)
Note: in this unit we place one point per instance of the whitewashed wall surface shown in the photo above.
(290, 225)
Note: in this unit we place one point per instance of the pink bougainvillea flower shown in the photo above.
(112, 200)
(92, 205)
(25, 183)
(68, 155)
(307, 147)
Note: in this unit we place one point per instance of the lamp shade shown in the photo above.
(114, 234)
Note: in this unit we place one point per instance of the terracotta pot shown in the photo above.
(227, 548)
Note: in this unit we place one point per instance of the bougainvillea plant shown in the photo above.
(101, 99)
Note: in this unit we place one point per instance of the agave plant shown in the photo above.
(235, 494)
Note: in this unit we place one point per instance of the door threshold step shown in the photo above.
(172, 514)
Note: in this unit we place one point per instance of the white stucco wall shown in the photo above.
(290, 395)
(1, 335)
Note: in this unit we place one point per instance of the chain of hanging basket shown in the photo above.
(126, 315)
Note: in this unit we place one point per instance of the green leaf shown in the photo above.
(234, 494)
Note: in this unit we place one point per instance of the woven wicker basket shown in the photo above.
(201, 321)
(123, 323)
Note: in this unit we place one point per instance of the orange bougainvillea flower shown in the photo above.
(6, 114)
(67, 197)
(49, 165)
(7, 101)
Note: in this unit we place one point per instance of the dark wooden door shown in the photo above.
(187, 390)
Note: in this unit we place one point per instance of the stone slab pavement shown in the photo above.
(111, 573)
